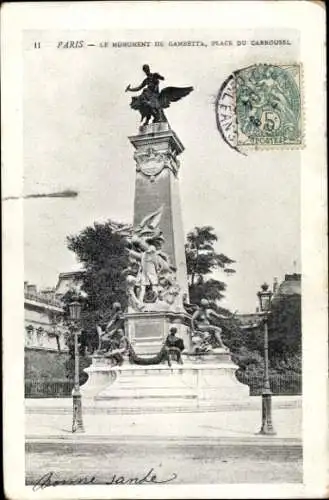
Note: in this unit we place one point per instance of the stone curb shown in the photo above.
(187, 440)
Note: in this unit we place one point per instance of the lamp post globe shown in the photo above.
(75, 314)
(265, 299)
(75, 310)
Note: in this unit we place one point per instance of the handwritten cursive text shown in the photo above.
(49, 479)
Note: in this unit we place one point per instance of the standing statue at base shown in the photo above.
(210, 335)
(151, 103)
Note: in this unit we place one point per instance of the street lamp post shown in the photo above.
(77, 424)
(265, 297)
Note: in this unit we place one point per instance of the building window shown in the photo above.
(29, 335)
(39, 336)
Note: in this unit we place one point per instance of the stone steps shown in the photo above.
(64, 406)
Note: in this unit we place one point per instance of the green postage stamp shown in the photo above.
(261, 107)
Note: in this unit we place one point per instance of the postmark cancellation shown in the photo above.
(260, 107)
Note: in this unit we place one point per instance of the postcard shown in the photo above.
(164, 238)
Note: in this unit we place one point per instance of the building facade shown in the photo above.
(43, 318)
(291, 285)
(68, 281)
(249, 321)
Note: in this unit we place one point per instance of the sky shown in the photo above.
(76, 125)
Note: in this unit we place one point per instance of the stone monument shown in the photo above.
(157, 286)
(157, 214)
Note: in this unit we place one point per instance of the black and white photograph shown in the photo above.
(169, 268)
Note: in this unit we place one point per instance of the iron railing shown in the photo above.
(285, 384)
(57, 388)
(288, 384)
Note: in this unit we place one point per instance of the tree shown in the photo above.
(84, 362)
(201, 260)
(285, 332)
(103, 255)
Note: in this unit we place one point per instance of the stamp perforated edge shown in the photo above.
(244, 149)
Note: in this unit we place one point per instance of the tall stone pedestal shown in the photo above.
(157, 185)
(202, 382)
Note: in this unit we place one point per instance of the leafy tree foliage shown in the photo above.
(103, 255)
(84, 362)
(285, 329)
(201, 260)
(285, 340)
(102, 252)
(249, 362)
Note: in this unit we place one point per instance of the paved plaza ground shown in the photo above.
(200, 447)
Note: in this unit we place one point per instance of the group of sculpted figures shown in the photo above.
(151, 282)
(113, 343)
(206, 337)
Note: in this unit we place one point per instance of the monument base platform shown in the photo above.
(209, 382)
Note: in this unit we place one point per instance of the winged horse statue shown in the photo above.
(151, 102)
